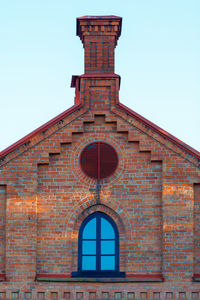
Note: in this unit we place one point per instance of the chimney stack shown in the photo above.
(98, 87)
(99, 35)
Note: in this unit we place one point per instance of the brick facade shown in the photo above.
(153, 196)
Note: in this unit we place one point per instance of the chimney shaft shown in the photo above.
(99, 35)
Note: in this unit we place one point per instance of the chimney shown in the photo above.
(99, 35)
(98, 87)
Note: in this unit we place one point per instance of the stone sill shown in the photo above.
(128, 278)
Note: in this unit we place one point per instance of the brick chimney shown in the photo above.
(99, 36)
(98, 87)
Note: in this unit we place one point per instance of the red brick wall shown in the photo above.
(99, 54)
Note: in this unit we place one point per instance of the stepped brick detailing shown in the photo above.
(41, 133)
(163, 137)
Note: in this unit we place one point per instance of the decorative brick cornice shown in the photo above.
(99, 25)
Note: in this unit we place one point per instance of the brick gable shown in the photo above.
(153, 196)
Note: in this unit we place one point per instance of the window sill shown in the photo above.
(102, 274)
(128, 278)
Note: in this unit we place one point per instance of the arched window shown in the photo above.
(98, 247)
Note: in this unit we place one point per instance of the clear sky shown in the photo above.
(157, 57)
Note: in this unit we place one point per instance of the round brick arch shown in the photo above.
(88, 206)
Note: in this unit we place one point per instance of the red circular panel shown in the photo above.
(98, 160)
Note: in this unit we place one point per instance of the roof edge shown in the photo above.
(45, 126)
(121, 106)
(159, 130)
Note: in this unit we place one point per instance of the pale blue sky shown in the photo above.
(157, 57)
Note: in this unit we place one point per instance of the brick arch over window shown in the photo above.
(116, 213)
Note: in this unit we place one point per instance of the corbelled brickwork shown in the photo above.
(153, 196)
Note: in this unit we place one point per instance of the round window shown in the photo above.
(98, 160)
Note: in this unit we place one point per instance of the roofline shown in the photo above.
(121, 106)
(159, 130)
(45, 126)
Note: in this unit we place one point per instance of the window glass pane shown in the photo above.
(108, 160)
(107, 247)
(107, 262)
(88, 263)
(89, 231)
(89, 247)
(89, 160)
(107, 231)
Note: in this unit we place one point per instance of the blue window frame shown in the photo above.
(98, 247)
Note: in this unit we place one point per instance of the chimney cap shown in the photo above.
(98, 20)
(99, 17)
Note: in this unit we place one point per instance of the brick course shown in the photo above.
(153, 196)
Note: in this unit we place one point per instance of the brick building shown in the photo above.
(99, 203)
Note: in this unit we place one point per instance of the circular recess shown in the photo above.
(98, 160)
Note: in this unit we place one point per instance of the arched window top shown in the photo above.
(98, 247)
(107, 226)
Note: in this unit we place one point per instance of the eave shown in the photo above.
(159, 130)
(40, 129)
